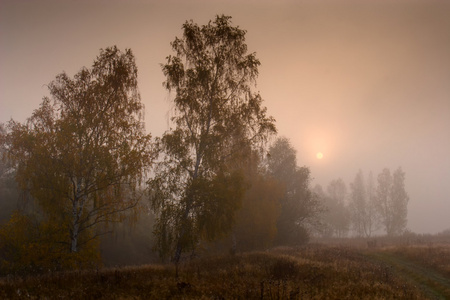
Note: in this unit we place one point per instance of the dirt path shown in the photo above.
(432, 283)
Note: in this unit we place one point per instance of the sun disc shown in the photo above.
(319, 155)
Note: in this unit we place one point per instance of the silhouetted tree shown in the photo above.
(9, 194)
(373, 216)
(362, 207)
(337, 217)
(195, 192)
(299, 207)
(392, 201)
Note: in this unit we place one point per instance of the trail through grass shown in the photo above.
(434, 284)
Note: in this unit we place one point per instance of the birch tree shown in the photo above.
(216, 115)
(83, 153)
(392, 201)
(337, 215)
(362, 206)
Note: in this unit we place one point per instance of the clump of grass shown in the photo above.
(284, 268)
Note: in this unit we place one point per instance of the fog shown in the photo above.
(366, 84)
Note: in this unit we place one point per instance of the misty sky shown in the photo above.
(365, 83)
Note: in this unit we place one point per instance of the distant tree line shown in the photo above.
(82, 166)
(368, 207)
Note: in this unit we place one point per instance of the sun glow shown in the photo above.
(319, 155)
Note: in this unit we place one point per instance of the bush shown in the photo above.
(28, 245)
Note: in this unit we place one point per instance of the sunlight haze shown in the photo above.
(353, 84)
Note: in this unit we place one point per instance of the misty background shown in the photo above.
(366, 84)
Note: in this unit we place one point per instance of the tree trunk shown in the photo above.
(233, 243)
(179, 247)
(77, 208)
(187, 210)
(75, 227)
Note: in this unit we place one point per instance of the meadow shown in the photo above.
(315, 271)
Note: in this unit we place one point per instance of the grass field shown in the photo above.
(426, 267)
(311, 272)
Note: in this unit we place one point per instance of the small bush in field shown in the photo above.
(27, 247)
(284, 268)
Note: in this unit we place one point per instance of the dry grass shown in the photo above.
(427, 267)
(313, 272)
(436, 257)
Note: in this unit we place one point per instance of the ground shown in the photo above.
(316, 271)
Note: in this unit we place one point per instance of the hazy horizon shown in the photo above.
(366, 84)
